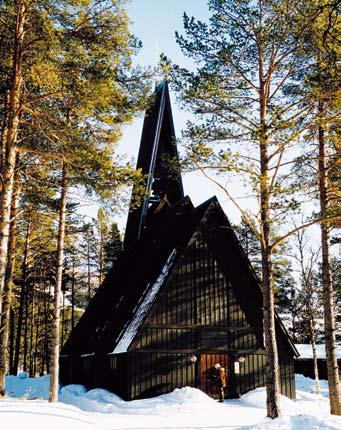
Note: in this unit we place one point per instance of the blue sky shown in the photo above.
(154, 23)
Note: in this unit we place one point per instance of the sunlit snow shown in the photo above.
(26, 406)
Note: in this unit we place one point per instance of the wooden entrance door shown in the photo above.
(208, 383)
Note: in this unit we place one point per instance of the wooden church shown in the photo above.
(181, 297)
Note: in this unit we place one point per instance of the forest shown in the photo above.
(264, 96)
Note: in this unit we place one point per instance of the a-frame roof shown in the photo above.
(158, 161)
(230, 256)
(115, 302)
(157, 234)
(117, 313)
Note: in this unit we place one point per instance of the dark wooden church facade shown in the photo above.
(181, 297)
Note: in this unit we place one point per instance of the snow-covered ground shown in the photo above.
(26, 407)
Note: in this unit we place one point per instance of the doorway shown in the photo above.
(207, 372)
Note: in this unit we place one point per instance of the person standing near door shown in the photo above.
(221, 381)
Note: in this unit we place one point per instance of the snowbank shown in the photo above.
(186, 409)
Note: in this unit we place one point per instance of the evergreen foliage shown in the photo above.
(247, 57)
(67, 86)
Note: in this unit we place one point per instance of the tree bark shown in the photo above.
(26, 321)
(10, 150)
(7, 299)
(11, 341)
(23, 298)
(313, 346)
(54, 365)
(38, 352)
(45, 349)
(272, 366)
(327, 281)
(308, 281)
(31, 339)
(63, 319)
(4, 129)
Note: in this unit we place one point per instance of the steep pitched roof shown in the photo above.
(231, 258)
(116, 301)
(156, 235)
(121, 306)
(231, 255)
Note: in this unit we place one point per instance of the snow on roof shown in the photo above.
(306, 351)
(130, 331)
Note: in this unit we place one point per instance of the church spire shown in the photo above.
(159, 162)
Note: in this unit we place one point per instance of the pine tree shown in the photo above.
(68, 86)
(246, 56)
(320, 88)
(8, 285)
(113, 246)
(89, 252)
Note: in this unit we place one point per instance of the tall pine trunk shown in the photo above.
(23, 298)
(45, 367)
(9, 149)
(313, 346)
(7, 298)
(327, 281)
(27, 303)
(54, 364)
(4, 128)
(38, 352)
(31, 334)
(272, 366)
(11, 340)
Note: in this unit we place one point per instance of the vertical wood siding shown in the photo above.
(199, 294)
(153, 374)
(201, 312)
(198, 313)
